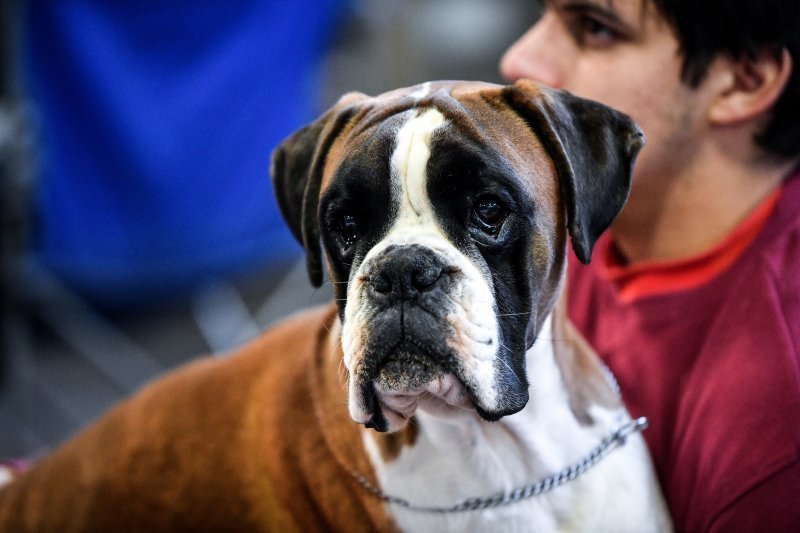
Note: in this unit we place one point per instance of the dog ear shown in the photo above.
(296, 170)
(593, 148)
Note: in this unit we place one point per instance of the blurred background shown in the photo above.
(137, 224)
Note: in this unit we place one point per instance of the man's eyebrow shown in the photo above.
(603, 10)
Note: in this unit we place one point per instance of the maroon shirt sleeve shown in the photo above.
(773, 506)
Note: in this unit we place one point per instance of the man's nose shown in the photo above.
(541, 54)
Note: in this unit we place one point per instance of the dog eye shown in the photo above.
(489, 213)
(348, 230)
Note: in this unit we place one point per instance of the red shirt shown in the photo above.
(709, 350)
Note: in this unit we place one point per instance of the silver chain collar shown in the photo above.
(606, 446)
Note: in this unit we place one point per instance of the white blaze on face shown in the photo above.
(472, 311)
(408, 166)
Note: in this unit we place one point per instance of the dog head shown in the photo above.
(444, 212)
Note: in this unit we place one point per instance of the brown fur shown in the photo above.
(390, 445)
(230, 444)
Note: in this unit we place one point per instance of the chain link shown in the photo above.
(608, 444)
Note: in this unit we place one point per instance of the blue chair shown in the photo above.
(152, 123)
(155, 121)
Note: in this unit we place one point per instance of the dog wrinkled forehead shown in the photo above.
(592, 148)
(377, 119)
(474, 112)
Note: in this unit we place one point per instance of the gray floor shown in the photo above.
(66, 363)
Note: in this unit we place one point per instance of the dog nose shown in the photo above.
(406, 271)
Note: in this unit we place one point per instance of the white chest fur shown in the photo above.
(457, 458)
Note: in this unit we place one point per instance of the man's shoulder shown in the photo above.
(762, 291)
(737, 423)
(779, 245)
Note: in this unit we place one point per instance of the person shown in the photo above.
(693, 297)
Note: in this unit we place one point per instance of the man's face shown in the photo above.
(623, 54)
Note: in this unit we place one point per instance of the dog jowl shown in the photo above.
(444, 212)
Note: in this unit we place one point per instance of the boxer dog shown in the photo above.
(444, 391)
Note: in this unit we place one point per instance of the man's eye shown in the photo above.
(594, 33)
(349, 230)
(488, 214)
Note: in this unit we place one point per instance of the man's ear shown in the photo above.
(593, 148)
(749, 87)
(296, 170)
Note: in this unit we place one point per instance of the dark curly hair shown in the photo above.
(743, 29)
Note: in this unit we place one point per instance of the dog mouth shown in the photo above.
(400, 374)
(387, 396)
(390, 401)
